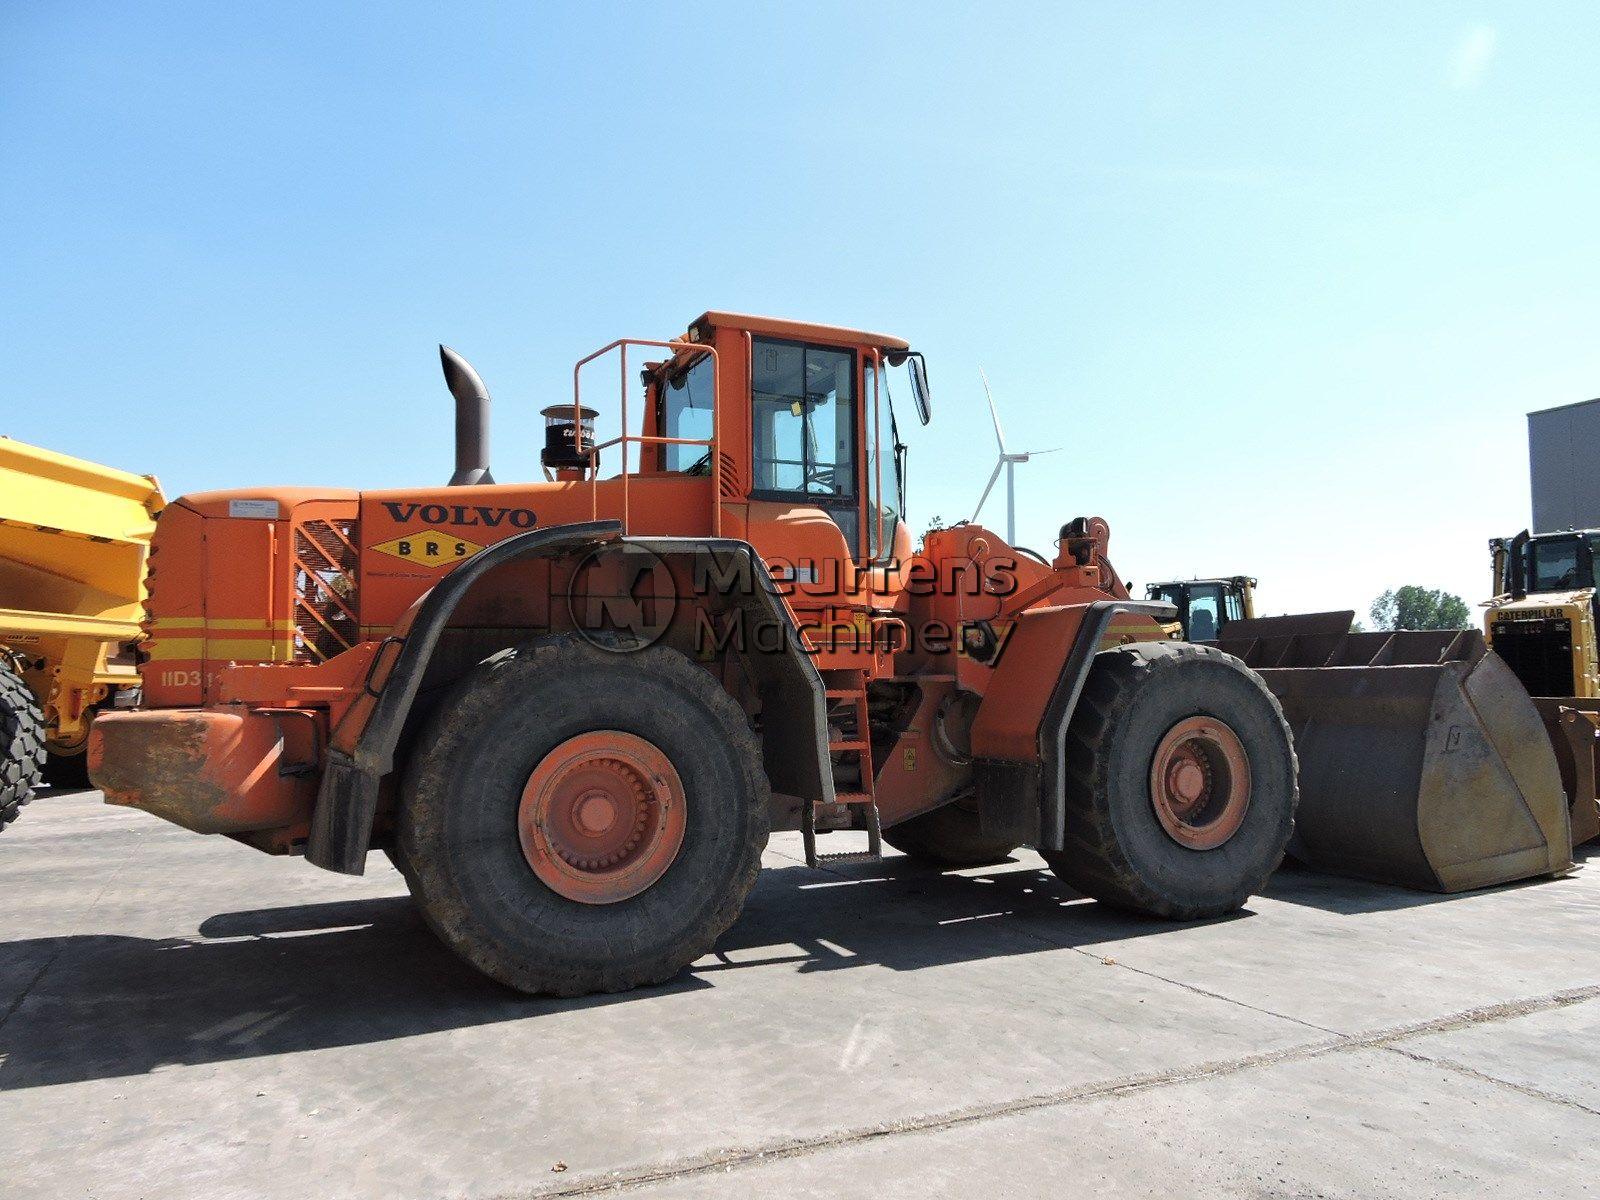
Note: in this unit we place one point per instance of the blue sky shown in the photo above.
(1283, 280)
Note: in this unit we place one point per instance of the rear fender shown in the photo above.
(363, 747)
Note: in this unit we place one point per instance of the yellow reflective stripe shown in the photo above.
(170, 649)
(247, 623)
(167, 649)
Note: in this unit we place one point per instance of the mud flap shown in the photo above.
(1423, 761)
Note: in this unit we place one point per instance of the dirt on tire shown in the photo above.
(1116, 849)
(458, 834)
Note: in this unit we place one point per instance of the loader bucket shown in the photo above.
(1423, 761)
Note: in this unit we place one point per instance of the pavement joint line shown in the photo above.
(732, 1158)
(1459, 1068)
(1200, 991)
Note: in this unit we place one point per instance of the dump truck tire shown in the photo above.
(524, 779)
(1180, 782)
(21, 745)
(948, 837)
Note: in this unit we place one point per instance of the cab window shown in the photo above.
(686, 400)
(1554, 565)
(884, 484)
(1205, 605)
(803, 420)
(1232, 606)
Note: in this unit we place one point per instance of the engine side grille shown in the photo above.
(325, 601)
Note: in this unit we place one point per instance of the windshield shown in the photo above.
(803, 405)
(1557, 564)
(1205, 611)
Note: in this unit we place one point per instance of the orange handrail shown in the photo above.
(624, 439)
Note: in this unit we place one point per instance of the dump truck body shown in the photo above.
(572, 710)
(74, 536)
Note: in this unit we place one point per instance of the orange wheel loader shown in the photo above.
(571, 711)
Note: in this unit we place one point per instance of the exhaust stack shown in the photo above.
(472, 419)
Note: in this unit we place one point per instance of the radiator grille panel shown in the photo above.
(325, 609)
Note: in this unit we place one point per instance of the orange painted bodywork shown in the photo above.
(212, 770)
(270, 601)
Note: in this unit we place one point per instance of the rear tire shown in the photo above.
(1124, 845)
(21, 745)
(948, 837)
(506, 726)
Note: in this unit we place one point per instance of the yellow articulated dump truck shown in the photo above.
(73, 541)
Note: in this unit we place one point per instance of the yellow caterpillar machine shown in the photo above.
(1542, 622)
(1207, 606)
(73, 541)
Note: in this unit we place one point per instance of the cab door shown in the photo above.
(803, 430)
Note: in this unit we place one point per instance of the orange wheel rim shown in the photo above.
(602, 817)
(1200, 783)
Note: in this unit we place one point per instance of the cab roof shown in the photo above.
(800, 331)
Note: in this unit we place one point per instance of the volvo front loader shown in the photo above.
(572, 710)
(73, 538)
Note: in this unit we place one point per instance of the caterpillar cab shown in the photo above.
(1206, 606)
(571, 709)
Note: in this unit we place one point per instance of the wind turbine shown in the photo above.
(1008, 460)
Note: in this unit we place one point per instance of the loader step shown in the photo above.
(861, 856)
(854, 738)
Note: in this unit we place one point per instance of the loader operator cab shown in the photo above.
(1206, 606)
(1547, 562)
(822, 426)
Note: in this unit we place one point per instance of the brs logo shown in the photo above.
(484, 515)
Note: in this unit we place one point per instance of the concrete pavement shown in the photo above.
(182, 1017)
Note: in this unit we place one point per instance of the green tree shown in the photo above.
(1413, 607)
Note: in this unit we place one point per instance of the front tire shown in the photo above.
(579, 821)
(1180, 779)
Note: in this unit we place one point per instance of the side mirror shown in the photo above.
(919, 386)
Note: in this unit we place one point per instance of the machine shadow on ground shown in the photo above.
(311, 976)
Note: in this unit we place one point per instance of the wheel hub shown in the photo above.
(1200, 783)
(602, 817)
